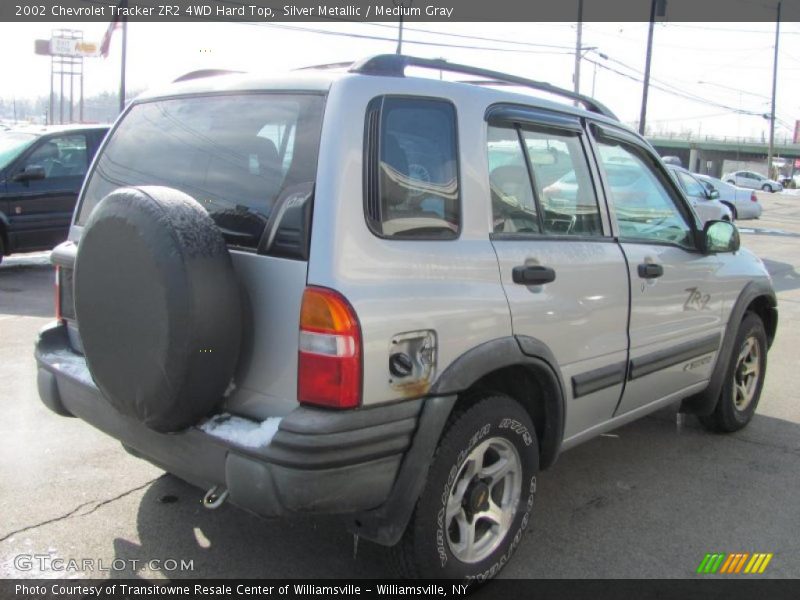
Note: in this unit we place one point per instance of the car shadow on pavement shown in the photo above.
(231, 543)
(646, 500)
(784, 275)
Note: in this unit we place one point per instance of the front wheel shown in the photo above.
(478, 497)
(744, 379)
(766, 187)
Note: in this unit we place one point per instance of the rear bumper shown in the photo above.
(319, 461)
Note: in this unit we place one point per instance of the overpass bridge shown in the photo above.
(708, 154)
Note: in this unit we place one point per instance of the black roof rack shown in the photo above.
(204, 73)
(336, 65)
(394, 65)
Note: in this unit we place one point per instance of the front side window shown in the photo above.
(645, 209)
(691, 185)
(236, 155)
(63, 156)
(411, 178)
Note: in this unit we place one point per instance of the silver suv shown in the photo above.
(391, 297)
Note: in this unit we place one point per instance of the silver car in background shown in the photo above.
(743, 202)
(751, 180)
(705, 203)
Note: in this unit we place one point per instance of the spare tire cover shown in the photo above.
(158, 306)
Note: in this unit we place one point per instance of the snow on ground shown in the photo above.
(242, 432)
(69, 363)
(32, 259)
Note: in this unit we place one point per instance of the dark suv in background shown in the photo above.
(41, 172)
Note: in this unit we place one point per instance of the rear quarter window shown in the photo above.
(411, 168)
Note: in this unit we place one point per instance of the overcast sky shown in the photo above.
(727, 64)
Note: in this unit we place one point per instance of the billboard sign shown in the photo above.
(59, 46)
(71, 47)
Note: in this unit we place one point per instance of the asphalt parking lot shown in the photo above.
(648, 500)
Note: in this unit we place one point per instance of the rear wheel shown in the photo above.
(744, 379)
(478, 497)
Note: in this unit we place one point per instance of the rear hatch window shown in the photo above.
(237, 155)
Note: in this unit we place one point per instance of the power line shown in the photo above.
(468, 37)
(732, 30)
(675, 92)
(671, 86)
(405, 41)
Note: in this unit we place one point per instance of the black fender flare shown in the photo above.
(385, 525)
(704, 403)
(512, 351)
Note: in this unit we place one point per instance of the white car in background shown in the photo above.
(751, 180)
(743, 202)
(705, 203)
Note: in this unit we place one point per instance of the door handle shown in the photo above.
(533, 275)
(650, 271)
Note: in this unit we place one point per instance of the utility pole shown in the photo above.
(771, 149)
(657, 8)
(401, 4)
(123, 4)
(577, 75)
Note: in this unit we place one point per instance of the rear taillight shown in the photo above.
(58, 293)
(329, 360)
(753, 197)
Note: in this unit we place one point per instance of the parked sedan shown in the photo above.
(706, 203)
(743, 202)
(753, 181)
(41, 172)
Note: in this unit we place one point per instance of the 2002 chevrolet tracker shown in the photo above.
(391, 297)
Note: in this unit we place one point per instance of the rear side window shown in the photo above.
(411, 169)
(540, 183)
(237, 155)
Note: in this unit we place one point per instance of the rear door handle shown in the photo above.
(533, 275)
(650, 271)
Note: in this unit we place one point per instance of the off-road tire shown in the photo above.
(424, 550)
(727, 416)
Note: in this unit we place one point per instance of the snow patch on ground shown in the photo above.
(242, 432)
(70, 364)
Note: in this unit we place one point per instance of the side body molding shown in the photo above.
(516, 351)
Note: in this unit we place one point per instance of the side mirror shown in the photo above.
(720, 236)
(30, 173)
(713, 194)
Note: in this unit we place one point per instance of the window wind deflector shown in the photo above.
(507, 115)
(616, 135)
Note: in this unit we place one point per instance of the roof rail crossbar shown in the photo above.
(204, 73)
(394, 65)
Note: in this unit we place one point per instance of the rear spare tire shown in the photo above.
(158, 305)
